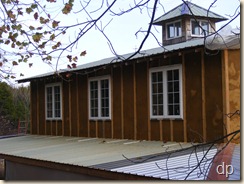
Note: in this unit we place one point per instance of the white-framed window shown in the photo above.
(173, 29)
(166, 92)
(53, 101)
(99, 98)
(199, 28)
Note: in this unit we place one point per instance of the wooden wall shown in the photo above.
(202, 97)
(231, 85)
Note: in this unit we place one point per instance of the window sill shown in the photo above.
(54, 119)
(95, 120)
(197, 36)
(168, 118)
(174, 38)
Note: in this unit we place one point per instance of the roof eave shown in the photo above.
(160, 22)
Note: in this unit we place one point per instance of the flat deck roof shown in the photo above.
(81, 151)
(140, 158)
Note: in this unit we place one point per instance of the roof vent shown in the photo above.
(184, 9)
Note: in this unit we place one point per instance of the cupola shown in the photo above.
(187, 21)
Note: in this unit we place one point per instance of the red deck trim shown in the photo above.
(225, 157)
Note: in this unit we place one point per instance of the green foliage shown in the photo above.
(36, 28)
(14, 102)
(6, 100)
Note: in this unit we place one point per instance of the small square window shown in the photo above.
(199, 28)
(174, 29)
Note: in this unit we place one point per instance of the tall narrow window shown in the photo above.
(49, 102)
(94, 98)
(157, 93)
(173, 92)
(57, 102)
(99, 98)
(165, 92)
(53, 101)
(105, 98)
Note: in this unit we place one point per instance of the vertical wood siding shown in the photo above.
(83, 104)
(73, 106)
(66, 110)
(141, 101)
(214, 98)
(130, 102)
(41, 94)
(234, 90)
(33, 87)
(117, 106)
(193, 96)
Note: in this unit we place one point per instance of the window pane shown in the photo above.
(178, 29)
(170, 110)
(176, 110)
(176, 98)
(176, 86)
(170, 30)
(160, 87)
(154, 77)
(170, 86)
(160, 99)
(160, 110)
(195, 28)
(160, 76)
(155, 99)
(170, 75)
(170, 98)
(176, 74)
(205, 27)
(154, 88)
(155, 110)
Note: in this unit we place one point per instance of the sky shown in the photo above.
(121, 31)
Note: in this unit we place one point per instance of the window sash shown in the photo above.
(196, 30)
(99, 98)
(53, 101)
(168, 102)
(173, 29)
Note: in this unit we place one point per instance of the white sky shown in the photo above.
(121, 32)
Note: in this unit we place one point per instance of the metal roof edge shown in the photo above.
(122, 58)
(86, 170)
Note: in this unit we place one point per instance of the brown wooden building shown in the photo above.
(179, 92)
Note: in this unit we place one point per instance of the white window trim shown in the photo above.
(167, 34)
(99, 97)
(53, 104)
(200, 22)
(165, 99)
